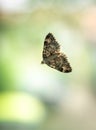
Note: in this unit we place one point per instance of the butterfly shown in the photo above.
(53, 57)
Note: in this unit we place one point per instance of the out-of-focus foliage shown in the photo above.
(34, 96)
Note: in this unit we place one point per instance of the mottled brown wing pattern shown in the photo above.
(53, 57)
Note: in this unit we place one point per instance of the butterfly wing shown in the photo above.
(50, 46)
(52, 55)
(59, 62)
(62, 64)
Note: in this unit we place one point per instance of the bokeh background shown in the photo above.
(35, 96)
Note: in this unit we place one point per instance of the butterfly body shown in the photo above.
(53, 57)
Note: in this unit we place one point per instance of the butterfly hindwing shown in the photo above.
(52, 55)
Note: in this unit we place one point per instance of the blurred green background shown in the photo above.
(35, 96)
